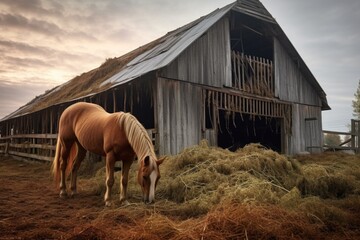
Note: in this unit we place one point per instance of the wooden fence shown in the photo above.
(252, 74)
(29, 146)
(351, 142)
(40, 146)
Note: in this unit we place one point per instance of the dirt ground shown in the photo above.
(30, 207)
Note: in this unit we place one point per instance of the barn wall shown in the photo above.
(207, 61)
(306, 132)
(290, 84)
(179, 115)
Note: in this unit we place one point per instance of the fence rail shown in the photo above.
(351, 143)
(29, 146)
(41, 146)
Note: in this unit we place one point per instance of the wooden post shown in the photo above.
(114, 100)
(6, 148)
(357, 129)
(353, 135)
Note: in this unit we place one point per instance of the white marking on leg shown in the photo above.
(153, 177)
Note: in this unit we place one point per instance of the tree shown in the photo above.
(332, 139)
(356, 103)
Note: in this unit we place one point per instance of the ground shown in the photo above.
(30, 208)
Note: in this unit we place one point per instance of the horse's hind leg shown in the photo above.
(65, 151)
(110, 163)
(80, 155)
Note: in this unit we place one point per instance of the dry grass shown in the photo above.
(254, 193)
(210, 174)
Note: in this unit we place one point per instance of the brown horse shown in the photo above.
(118, 136)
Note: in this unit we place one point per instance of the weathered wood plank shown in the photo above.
(339, 133)
(30, 145)
(43, 136)
(31, 156)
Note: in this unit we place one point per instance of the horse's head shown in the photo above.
(148, 177)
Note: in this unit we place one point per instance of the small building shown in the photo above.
(231, 77)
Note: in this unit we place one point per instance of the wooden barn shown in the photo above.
(231, 77)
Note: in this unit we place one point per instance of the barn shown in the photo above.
(231, 77)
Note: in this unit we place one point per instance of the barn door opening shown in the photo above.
(239, 120)
(235, 130)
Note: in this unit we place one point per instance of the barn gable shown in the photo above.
(231, 77)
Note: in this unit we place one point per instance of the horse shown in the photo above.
(117, 136)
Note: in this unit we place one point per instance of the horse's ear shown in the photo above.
(160, 161)
(146, 161)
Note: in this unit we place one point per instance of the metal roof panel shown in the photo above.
(170, 48)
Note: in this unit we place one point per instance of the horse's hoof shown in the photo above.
(63, 194)
(73, 194)
(107, 204)
(125, 203)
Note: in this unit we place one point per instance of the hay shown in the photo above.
(291, 199)
(212, 174)
(253, 193)
(331, 177)
(238, 221)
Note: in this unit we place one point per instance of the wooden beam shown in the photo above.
(32, 156)
(338, 133)
(31, 145)
(47, 136)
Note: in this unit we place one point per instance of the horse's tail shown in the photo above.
(71, 159)
(55, 166)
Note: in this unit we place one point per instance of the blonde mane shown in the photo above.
(137, 136)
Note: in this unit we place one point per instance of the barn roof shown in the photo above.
(156, 55)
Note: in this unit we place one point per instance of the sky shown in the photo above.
(44, 43)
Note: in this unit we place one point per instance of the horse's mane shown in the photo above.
(137, 136)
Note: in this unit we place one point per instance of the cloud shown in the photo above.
(21, 23)
(16, 94)
(20, 61)
(8, 46)
(26, 62)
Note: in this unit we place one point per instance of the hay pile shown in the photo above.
(253, 193)
(205, 176)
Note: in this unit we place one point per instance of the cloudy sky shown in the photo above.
(44, 43)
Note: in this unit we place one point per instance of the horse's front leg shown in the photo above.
(110, 163)
(124, 180)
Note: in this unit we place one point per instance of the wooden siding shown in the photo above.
(207, 61)
(290, 84)
(179, 111)
(306, 129)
